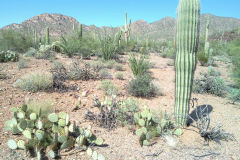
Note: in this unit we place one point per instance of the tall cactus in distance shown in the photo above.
(187, 38)
(206, 45)
(47, 36)
(80, 31)
(127, 29)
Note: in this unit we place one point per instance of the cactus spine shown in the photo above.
(187, 38)
(47, 36)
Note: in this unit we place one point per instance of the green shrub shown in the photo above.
(12, 40)
(6, 56)
(97, 65)
(235, 95)
(81, 72)
(22, 63)
(35, 81)
(235, 56)
(45, 52)
(31, 52)
(109, 64)
(119, 75)
(108, 87)
(104, 74)
(108, 48)
(202, 58)
(142, 86)
(118, 67)
(210, 84)
(138, 65)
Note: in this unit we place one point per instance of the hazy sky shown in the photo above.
(107, 12)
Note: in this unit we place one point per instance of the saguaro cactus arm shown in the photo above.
(187, 38)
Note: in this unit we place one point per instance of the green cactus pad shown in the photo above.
(39, 134)
(39, 124)
(24, 108)
(89, 151)
(62, 139)
(15, 129)
(21, 115)
(21, 144)
(95, 155)
(141, 122)
(148, 135)
(23, 124)
(8, 125)
(101, 157)
(99, 141)
(149, 116)
(146, 143)
(61, 122)
(30, 124)
(52, 154)
(54, 128)
(178, 132)
(81, 140)
(66, 130)
(136, 117)
(67, 119)
(139, 132)
(12, 144)
(53, 117)
(33, 116)
(14, 109)
(62, 115)
(88, 133)
(159, 130)
(27, 134)
(72, 127)
(144, 113)
(69, 143)
(14, 121)
(163, 122)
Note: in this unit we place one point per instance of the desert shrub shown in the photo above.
(235, 56)
(138, 65)
(81, 72)
(108, 48)
(119, 75)
(202, 58)
(6, 56)
(110, 64)
(104, 74)
(22, 63)
(212, 72)
(16, 41)
(210, 84)
(142, 86)
(38, 134)
(97, 65)
(35, 81)
(235, 95)
(108, 87)
(118, 67)
(31, 52)
(45, 52)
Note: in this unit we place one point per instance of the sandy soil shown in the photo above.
(121, 143)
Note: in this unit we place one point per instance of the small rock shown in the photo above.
(171, 141)
(84, 93)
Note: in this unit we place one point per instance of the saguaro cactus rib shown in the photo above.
(187, 38)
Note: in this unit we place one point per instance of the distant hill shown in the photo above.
(163, 29)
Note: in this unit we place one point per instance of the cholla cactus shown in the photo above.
(187, 38)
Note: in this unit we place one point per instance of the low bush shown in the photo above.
(235, 95)
(6, 56)
(108, 87)
(119, 76)
(210, 84)
(138, 65)
(81, 72)
(104, 74)
(45, 52)
(22, 63)
(31, 52)
(118, 67)
(142, 86)
(36, 81)
(202, 58)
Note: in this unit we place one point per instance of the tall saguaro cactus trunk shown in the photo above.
(80, 31)
(187, 38)
(47, 36)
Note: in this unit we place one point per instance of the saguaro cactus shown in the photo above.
(47, 36)
(127, 29)
(187, 38)
(80, 31)
(206, 45)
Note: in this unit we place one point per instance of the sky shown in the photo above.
(107, 12)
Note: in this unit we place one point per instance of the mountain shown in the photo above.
(160, 30)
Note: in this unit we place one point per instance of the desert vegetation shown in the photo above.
(96, 94)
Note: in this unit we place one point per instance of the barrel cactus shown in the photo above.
(187, 38)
